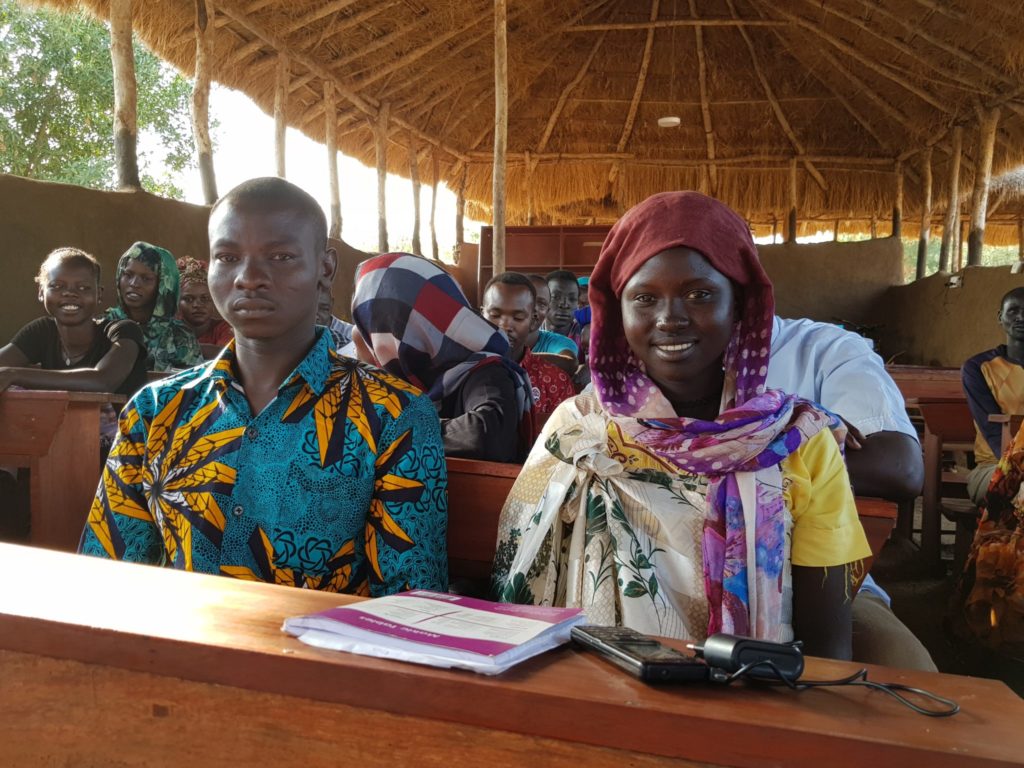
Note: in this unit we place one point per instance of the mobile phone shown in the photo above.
(640, 655)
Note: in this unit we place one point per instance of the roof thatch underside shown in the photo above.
(847, 88)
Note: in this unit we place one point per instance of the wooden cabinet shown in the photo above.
(541, 250)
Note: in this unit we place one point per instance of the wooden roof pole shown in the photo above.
(500, 132)
(317, 14)
(460, 212)
(670, 23)
(988, 120)
(791, 218)
(769, 93)
(897, 206)
(414, 179)
(705, 107)
(563, 97)
(201, 100)
(126, 132)
(951, 223)
(435, 252)
(331, 135)
(631, 115)
(280, 108)
(380, 135)
(926, 212)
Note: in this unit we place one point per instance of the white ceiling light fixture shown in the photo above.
(669, 121)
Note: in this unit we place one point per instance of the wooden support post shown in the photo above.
(531, 163)
(435, 177)
(874, 225)
(961, 241)
(414, 177)
(775, 229)
(835, 231)
(791, 219)
(926, 212)
(987, 122)
(500, 132)
(201, 100)
(460, 210)
(951, 223)
(380, 134)
(331, 133)
(122, 56)
(280, 107)
(897, 206)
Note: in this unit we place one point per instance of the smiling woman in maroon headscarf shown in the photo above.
(681, 498)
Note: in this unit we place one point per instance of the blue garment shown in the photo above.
(549, 342)
(339, 484)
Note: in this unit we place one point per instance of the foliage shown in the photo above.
(57, 103)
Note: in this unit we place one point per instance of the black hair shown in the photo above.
(513, 278)
(1013, 292)
(273, 190)
(562, 274)
(71, 256)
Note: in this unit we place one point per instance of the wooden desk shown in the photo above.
(57, 436)
(108, 663)
(924, 381)
(946, 420)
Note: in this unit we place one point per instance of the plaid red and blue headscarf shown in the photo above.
(421, 328)
(755, 430)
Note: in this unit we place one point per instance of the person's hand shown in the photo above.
(854, 438)
(6, 378)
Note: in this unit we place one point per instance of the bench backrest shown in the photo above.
(478, 489)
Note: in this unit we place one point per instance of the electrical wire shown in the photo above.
(859, 678)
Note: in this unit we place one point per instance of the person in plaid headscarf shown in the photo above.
(413, 320)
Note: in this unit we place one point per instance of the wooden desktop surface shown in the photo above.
(104, 663)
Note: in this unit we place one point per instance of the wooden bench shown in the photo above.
(477, 491)
(948, 426)
(108, 663)
(56, 435)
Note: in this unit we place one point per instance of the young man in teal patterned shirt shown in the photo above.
(279, 460)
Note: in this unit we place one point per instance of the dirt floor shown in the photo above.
(921, 598)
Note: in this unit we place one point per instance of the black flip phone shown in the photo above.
(640, 655)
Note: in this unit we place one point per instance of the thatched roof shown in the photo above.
(847, 88)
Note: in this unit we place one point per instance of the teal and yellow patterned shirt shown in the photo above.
(339, 484)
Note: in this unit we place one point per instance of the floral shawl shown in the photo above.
(640, 449)
(171, 344)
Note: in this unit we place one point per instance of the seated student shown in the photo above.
(681, 454)
(565, 295)
(413, 320)
(196, 310)
(584, 298)
(71, 349)
(339, 329)
(542, 341)
(279, 461)
(839, 369)
(147, 292)
(509, 304)
(994, 383)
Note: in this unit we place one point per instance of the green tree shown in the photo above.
(57, 103)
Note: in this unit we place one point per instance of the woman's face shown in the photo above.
(195, 304)
(138, 286)
(677, 316)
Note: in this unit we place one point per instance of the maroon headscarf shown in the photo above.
(673, 220)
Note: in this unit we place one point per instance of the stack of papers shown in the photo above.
(439, 629)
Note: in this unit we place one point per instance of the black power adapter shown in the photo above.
(754, 658)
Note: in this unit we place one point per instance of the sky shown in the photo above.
(244, 148)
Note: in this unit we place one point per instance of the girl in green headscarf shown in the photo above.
(147, 292)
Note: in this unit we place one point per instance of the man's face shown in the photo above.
(1011, 317)
(324, 308)
(565, 296)
(510, 307)
(265, 270)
